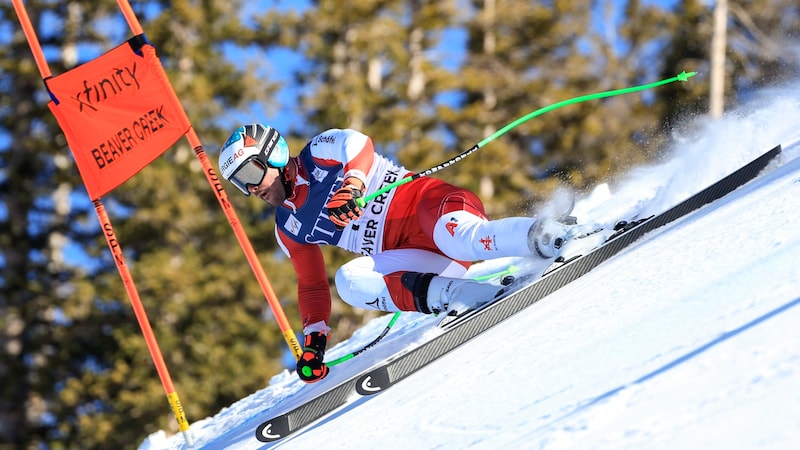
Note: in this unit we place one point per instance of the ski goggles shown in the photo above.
(249, 152)
(250, 173)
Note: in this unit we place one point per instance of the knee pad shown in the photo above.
(360, 286)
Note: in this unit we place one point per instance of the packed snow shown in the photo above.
(687, 339)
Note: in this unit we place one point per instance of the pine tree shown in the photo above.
(759, 52)
(45, 302)
(80, 375)
(520, 57)
(523, 57)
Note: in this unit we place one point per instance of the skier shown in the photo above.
(417, 241)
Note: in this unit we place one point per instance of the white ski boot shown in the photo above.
(546, 236)
(550, 238)
(434, 294)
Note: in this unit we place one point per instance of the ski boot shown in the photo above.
(547, 236)
(434, 294)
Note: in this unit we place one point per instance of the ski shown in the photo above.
(508, 288)
(524, 280)
(620, 228)
(465, 327)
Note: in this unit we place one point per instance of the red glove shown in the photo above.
(343, 207)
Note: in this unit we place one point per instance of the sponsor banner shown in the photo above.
(118, 112)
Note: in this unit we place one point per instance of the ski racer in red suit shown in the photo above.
(415, 241)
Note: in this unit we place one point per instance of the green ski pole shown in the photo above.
(683, 76)
(510, 270)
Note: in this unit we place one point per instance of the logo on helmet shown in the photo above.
(224, 165)
(271, 143)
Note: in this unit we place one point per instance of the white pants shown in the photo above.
(460, 235)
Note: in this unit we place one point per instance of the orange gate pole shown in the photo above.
(230, 213)
(141, 317)
(116, 250)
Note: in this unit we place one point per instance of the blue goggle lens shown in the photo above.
(279, 156)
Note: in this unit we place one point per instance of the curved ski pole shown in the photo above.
(683, 76)
(510, 270)
(352, 355)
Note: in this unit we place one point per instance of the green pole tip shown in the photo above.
(684, 76)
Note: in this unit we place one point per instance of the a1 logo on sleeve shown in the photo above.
(292, 225)
(319, 174)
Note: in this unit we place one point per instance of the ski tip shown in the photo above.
(273, 430)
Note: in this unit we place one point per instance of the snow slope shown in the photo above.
(687, 339)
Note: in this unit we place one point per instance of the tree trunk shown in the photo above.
(718, 46)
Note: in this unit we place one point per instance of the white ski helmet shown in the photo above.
(249, 151)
